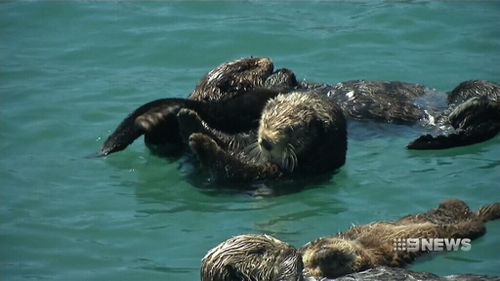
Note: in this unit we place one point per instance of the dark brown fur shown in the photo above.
(223, 98)
(299, 133)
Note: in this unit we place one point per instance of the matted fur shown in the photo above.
(299, 133)
(262, 257)
(251, 258)
(292, 125)
(372, 245)
(233, 78)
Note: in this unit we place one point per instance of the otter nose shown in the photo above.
(265, 144)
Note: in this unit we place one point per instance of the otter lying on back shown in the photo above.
(470, 114)
(372, 245)
(299, 133)
(358, 249)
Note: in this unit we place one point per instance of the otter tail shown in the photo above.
(489, 212)
(142, 120)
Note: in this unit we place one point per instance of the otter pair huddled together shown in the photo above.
(265, 258)
(243, 122)
(246, 122)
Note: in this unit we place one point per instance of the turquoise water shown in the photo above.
(70, 71)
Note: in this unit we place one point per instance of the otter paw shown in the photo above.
(204, 147)
(189, 122)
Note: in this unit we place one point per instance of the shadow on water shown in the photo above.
(277, 187)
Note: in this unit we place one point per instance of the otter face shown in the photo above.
(288, 126)
(278, 146)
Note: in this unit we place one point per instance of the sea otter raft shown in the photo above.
(231, 97)
(368, 247)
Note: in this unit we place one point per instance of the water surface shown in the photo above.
(71, 71)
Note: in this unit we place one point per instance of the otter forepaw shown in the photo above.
(204, 147)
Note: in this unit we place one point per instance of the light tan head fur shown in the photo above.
(252, 257)
(288, 125)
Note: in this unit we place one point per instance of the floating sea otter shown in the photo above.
(261, 257)
(470, 115)
(230, 98)
(372, 245)
(299, 133)
(232, 157)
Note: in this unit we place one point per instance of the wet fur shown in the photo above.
(473, 117)
(262, 257)
(368, 246)
(251, 258)
(307, 133)
(223, 98)
(470, 115)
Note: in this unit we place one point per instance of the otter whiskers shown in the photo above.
(289, 159)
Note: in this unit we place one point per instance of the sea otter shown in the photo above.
(473, 116)
(230, 98)
(299, 133)
(248, 257)
(372, 245)
(470, 114)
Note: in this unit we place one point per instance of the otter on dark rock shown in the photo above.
(262, 257)
(368, 246)
(224, 98)
(299, 133)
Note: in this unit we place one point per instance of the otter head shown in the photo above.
(233, 79)
(331, 258)
(282, 80)
(252, 257)
(278, 145)
(288, 126)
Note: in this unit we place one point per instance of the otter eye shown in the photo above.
(266, 144)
